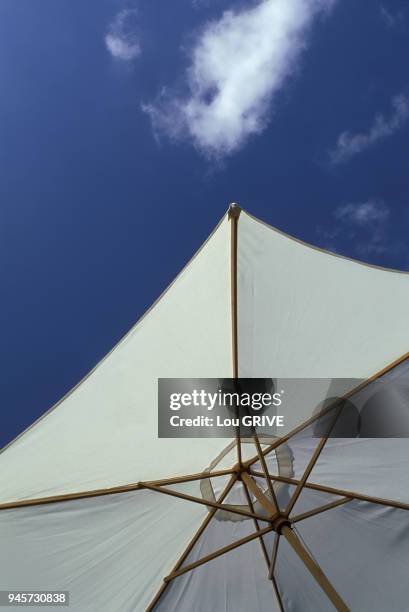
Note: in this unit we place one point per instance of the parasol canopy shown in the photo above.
(93, 503)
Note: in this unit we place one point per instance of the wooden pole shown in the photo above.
(233, 216)
(314, 569)
(267, 504)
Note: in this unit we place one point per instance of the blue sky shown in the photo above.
(128, 127)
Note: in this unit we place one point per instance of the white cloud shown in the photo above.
(349, 144)
(368, 213)
(237, 65)
(364, 225)
(121, 39)
(365, 231)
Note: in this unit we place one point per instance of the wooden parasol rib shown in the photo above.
(193, 541)
(333, 406)
(205, 502)
(39, 501)
(218, 553)
(343, 492)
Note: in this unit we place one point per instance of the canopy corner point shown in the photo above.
(234, 211)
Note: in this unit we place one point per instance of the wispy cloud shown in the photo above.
(366, 214)
(365, 226)
(349, 144)
(122, 40)
(237, 66)
(391, 19)
(366, 222)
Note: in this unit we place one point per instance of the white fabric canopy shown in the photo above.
(302, 313)
(109, 552)
(104, 433)
(307, 313)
